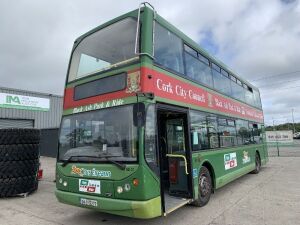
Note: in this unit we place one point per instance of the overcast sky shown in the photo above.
(260, 40)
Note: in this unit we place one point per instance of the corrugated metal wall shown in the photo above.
(42, 120)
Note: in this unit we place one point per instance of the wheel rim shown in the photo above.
(204, 185)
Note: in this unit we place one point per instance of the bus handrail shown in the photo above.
(180, 156)
(138, 30)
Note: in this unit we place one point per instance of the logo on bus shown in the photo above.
(246, 157)
(91, 173)
(90, 186)
(133, 82)
(230, 160)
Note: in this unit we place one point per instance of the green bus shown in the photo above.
(151, 121)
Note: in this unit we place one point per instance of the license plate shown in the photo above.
(88, 202)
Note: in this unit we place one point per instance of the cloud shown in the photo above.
(255, 38)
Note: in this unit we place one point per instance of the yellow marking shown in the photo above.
(180, 156)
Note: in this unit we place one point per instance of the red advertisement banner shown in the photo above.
(170, 88)
(174, 89)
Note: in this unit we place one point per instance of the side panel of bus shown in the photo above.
(226, 165)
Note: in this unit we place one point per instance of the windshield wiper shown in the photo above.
(121, 166)
(66, 161)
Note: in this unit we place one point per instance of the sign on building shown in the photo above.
(24, 102)
(281, 136)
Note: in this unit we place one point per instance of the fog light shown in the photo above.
(135, 182)
(119, 189)
(65, 183)
(60, 180)
(127, 187)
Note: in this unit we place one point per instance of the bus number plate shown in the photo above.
(88, 202)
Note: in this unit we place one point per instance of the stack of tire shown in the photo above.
(19, 161)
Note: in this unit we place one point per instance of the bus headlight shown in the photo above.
(65, 183)
(119, 189)
(60, 180)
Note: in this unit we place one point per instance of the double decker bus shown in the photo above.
(151, 121)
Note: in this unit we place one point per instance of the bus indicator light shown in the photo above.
(135, 182)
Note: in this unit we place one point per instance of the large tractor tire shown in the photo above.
(19, 161)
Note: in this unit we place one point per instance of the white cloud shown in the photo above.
(255, 38)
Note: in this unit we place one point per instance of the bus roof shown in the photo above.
(176, 31)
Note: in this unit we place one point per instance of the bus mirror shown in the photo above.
(139, 114)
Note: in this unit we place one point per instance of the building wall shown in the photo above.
(42, 119)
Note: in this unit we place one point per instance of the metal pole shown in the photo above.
(276, 138)
(293, 120)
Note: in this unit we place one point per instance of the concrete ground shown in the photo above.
(270, 197)
(285, 150)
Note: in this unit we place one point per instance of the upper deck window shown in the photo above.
(203, 59)
(216, 67)
(168, 49)
(190, 50)
(104, 49)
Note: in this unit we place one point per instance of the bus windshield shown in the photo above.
(104, 49)
(99, 134)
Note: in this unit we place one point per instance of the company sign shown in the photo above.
(89, 186)
(230, 160)
(282, 136)
(24, 102)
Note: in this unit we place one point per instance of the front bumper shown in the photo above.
(136, 209)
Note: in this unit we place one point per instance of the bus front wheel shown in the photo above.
(204, 187)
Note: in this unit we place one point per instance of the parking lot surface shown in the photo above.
(270, 197)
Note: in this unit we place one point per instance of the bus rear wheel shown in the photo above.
(204, 187)
(257, 164)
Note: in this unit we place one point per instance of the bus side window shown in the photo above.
(168, 49)
(227, 132)
(243, 132)
(255, 132)
(203, 131)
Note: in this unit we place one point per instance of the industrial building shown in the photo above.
(28, 109)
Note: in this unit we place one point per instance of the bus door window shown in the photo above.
(175, 136)
(151, 155)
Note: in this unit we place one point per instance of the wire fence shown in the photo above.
(284, 150)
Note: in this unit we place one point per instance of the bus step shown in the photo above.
(172, 203)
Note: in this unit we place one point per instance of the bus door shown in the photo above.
(175, 159)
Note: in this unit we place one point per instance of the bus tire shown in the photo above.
(257, 164)
(204, 187)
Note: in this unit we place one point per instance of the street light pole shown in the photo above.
(293, 120)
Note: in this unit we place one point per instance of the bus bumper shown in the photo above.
(136, 209)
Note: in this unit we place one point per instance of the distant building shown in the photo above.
(29, 109)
